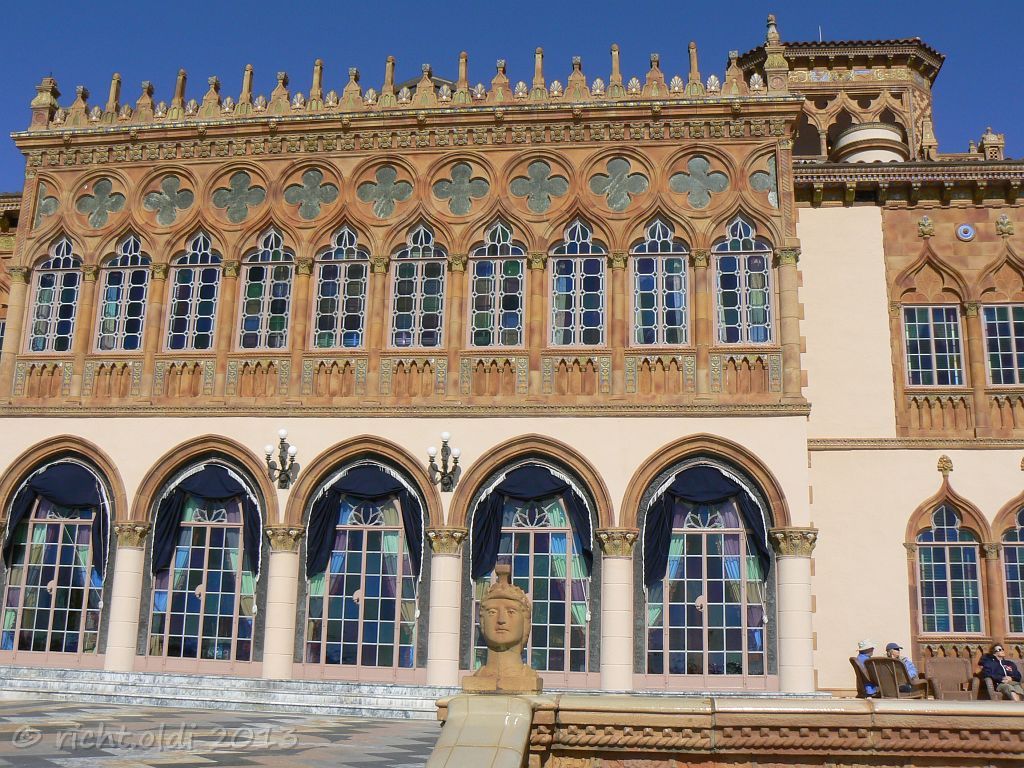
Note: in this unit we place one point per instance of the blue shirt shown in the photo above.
(911, 669)
(869, 689)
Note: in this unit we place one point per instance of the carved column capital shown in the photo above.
(787, 256)
(132, 535)
(991, 551)
(971, 308)
(231, 268)
(537, 260)
(617, 542)
(457, 261)
(793, 542)
(617, 259)
(379, 262)
(159, 271)
(911, 548)
(894, 308)
(285, 538)
(446, 541)
(18, 274)
(89, 272)
(304, 266)
(700, 258)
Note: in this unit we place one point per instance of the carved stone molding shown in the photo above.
(793, 542)
(285, 538)
(231, 268)
(89, 273)
(617, 259)
(700, 258)
(457, 261)
(991, 551)
(971, 308)
(617, 542)
(159, 271)
(131, 535)
(787, 256)
(537, 260)
(18, 274)
(304, 266)
(911, 548)
(446, 541)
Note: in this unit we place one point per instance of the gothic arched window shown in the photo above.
(195, 283)
(56, 299)
(1013, 564)
(743, 278)
(417, 299)
(660, 287)
(267, 294)
(123, 301)
(342, 277)
(577, 288)
(499, 268)
(949, 581)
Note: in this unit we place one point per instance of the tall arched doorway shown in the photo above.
(538, 517)
(705, 602)
(55, 549)
(362, 602)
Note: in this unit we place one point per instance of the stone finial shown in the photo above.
(929, 144)
(78, 114)
(387, 91)
(539, 90)
(211, 101)
(776, 68)
(500, 88)
(576, 86)
(461, 95)
(425, 96)
(655, 86)
(772, 37)
(925, 228)
(44, 104)
(352, 95)
(280, 99)
(113, 105)
(694, 86)
(244, 106)
(735, 85)
(992, 145)
(944, 465)
(505, 623)
(315, 102)
(144, 104)
(177, 109)
(615, 87)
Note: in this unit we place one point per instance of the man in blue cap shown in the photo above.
(892, 650)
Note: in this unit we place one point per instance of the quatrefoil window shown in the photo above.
(767, 181)
(539, 186)
(699, 183)
(311, 194)
(385, 193)
(100, 204)
(168, 201)
(461, 189)
(47, 205)
(238, 197)
(618, 185)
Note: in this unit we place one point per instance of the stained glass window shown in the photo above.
(743, 274)
(932, 336)
(204, 603)
(268, 291)
(195, 282)
(361, 611)
(1013, 563)
(1004, 343)
(342, 278)
(417, 300)
(659, 287)
(498, 268)
(123, 302)
(577, 288)
(948, 578)
(707, 616)
(56, 299)
(545, 554)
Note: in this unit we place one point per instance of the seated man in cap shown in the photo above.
(865, 650)
(892, 650)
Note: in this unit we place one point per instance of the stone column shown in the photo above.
(793, 548)
(995, 600)
(978, 373)
(125, 596)
(15, 321)
(703, 328)
(297, 336)
(282, 597)
(455, 313)
(617, 607)
(445, 605)
(789, 321)
(376, 321)
(537, 320)
(617, 338)
(225, 331)
(84, 322)
(152, 343)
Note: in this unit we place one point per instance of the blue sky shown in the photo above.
(83, 43)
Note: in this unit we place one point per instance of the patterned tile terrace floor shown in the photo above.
(43, 733)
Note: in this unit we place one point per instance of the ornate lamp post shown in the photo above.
(446, 475)
(284, 471)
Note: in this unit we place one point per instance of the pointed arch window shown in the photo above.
(342, 278)
(743, 278)
(55, 303)
(268, 290)
(123, 305)
(1013, 564)
(949, 581)
(417, 297)
(932, 339)
(195, 284)
(1004, 343)
(499, 269)
(660, 287)
(578, 288)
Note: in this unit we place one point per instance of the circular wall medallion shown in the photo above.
(965, 232)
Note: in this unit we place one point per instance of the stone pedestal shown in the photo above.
(282, 592)
(445, 605)
(483, 732)
(793, 548)
(617, 608)
(125, 597)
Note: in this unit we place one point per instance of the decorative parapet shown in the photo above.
(131, 535)
(257, 377)
(677, 373)
(285, 538)
(419, 376)
(446, 541)
(566, 373)
(334, 376)
(106, 371)
(793, 542)
(617, 542)
(42, 378)
(205, 368)
(492, 374)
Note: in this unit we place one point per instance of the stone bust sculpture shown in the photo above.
(505, 621)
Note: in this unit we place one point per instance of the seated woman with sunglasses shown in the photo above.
(1003, 672)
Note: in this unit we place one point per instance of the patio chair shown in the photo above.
(891, 674)
(952, 678)
(861, 675)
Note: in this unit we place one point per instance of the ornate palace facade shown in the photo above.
(701, 342)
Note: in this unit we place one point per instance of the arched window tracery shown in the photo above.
(417, 298)
(578, 288)
(55, 303)
(498, 289)
(949, 578)
(267, 289)
(743, 281)
(195, 284)
(123, 300)
(342, 280)
(660, 282)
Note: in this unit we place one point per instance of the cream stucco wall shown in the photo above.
(848, 355)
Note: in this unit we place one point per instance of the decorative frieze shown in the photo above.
(617, 542)
(205, 368)
(285, 538)
(573, 374)
(42, 378)
(257, 377)
(793, 542)
(484, 375)
(313, 369)
(110, 369)
(409, 375)
(131, 534)
(446, 541)
(666, 366)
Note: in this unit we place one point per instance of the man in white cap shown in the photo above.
(865, 650)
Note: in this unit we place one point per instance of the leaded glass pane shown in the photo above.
(659, 287)
(1013, 570)
(948, 578)
(195, 282)
(743, 277)
(577, 290)
(497, 285)
(342, 280)
(1004, 342)
(417, 301)
(267, 299)
(932, 337)
(123, 298)
(56, 300)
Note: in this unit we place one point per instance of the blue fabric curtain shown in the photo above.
(525, 484)
(67, 485)
(367, 483)
(212, 484)
(700, 484)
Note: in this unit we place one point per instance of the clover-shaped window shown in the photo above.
(619, 185)
(267, 294)
(767, 181)
(659, 286)
(578, 288)
(238, 197)
(498, 289)
(699, 182)
(47, 205)
(539, 186)
(385, 193)
(311, 194)
(743, 277)
(100, 204)
(342, 278)
(417, 296)
(195, 284)
(461, 189)
(125, 283)
(170, 199)
(55, 300)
